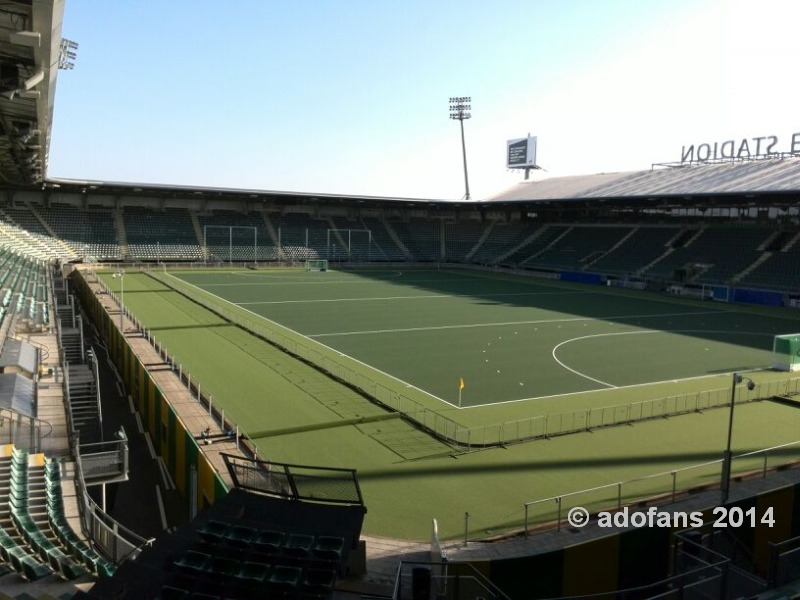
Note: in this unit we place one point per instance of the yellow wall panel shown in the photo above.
(591, 567)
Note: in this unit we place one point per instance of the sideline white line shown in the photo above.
(611, 389)
(478, 296)
(355, 360)
(535, 322)
(647, 383)
(348, 281)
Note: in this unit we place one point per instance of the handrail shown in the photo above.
(673, 473)
(34, 423)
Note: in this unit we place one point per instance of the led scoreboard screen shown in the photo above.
(521, 153)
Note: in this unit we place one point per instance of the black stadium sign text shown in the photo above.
(755, 147)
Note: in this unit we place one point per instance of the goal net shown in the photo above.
(786, 352)
(316, 265)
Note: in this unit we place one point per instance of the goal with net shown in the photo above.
(786, 352)
(316, 265)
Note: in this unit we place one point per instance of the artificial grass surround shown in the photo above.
(303, 416)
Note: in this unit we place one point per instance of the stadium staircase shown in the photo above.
(752, 267)
(484, 236)
(273, 235)
(613, 248)
(70, 341)
(198, 232)
(459, 238)
(792, 242)
(396, 239)
(552, 244)
(122, 235)
(523, 244)
(677, 241)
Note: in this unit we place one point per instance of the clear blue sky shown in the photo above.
(351, 97)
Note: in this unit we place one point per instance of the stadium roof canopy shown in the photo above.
(764, 177)
(30, 42)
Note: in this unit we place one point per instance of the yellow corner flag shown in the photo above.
(461, 385)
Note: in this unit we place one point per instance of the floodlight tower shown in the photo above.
(459, 109)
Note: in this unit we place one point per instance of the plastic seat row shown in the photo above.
(297, 545)
(242, 576)
(25, 503)
(78, 549)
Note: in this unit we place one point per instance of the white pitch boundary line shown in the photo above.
(658, 315)
(412, 297)
(326, 282)
(534, 322)
(408, 385)
(635, 385)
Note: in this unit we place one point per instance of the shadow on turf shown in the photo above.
(662, 460)
(626, 307)
(195, 326)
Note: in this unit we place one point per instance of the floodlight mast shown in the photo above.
(459, 110)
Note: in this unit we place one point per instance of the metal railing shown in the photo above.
(663, 487)
(114, 541)
(23, 431)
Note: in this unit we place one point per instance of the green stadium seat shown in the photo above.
(213, 531)
(239, 536)
(252, 572)
(193, 562)
(268, 541)
(328, 547)
(298, 545)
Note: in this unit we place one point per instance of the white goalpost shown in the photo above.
(350, 245)
(316, 265)
(242, 249)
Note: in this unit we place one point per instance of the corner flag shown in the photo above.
(461, 385)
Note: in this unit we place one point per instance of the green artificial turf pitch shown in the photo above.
(448, 320)
(509, 338)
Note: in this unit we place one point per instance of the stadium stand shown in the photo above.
(460, 238)
(422, 238)
(167, 235)
(90, 232)
(579, 246)
(712, 255)
(500, 238)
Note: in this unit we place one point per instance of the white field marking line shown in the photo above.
(389, 275)
(600, 390)
(597, 335)
(413, 297)
(635, 385)
(355, 360)
(329, 282)
(534, 322)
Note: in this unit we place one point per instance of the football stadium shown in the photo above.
(581, 387)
